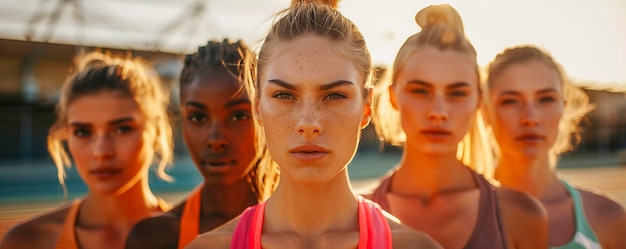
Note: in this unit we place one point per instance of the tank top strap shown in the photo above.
(67, 239)
(190, 219)
(247, 234)
(488, 231)
(374, 230)
(584, 236)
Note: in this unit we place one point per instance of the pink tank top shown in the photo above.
(190, 220)
(67, 239)
(374, 231)
(488, 231)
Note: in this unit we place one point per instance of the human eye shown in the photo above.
(241, 116)
(547, 99)
(419, 91)
(123, 129)
(458, 94)
(283, 95)
(81, 132)
(508, 101)
(335, 96)
(196, 117)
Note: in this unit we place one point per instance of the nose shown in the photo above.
(104, 148)
(529, 115)
(217, 142)
(438, 110)
(308, 124)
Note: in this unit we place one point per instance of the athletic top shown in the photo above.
(374, 231)
(67, 239)
(584, 237)
(488, 230)
(190, 220)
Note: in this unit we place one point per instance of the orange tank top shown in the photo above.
(190, 220)
(67, 239)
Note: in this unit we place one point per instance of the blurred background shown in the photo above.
(40, 38)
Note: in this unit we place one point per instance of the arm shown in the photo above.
(156, 232)
(524, 219)
(40, 232)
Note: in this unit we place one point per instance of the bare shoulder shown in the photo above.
(601, 206)
(405, 237)
(606, 217)
(159, 231)
(41, 231)
(219, 238)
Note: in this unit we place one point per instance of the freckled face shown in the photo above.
(525, 109)
(312, 109)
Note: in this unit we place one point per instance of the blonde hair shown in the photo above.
(306, 17)
(442, 29)
(577, 102)
(132, 77)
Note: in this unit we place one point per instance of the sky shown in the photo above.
(588, 37)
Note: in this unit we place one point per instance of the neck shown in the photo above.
(312, 209)
(121, 211)
(229, 200)
(426, 175)
(530, 175)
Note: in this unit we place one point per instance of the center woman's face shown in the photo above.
(312, 109)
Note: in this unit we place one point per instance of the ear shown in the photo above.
(367, 110)
(392, 96)
(257, 114)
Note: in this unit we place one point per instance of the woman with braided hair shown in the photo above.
(311, 102)
(219, 134)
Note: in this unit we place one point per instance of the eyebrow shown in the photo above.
(542, 91)
(328, 86)
(236, 102)
(426, 84)
(113, 122)
(195, 104)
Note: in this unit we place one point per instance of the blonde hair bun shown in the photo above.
(442, 13)
(332, 3)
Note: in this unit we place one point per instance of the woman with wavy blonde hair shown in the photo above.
(534, 112)
(430, 107)
(112, 116)
(311, 101)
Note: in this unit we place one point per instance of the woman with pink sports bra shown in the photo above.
(311, 102)
(113, 120)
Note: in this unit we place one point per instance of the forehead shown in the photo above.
(435, 66)
(310, 59)
(211, 84)
(102, 107)
(526, 77)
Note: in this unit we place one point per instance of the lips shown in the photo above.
(309, 153)
(530, 138)
(436, 134)
(218, 166)
(105, 173)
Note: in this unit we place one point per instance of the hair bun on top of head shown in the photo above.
(442, 13)
(332, 3)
